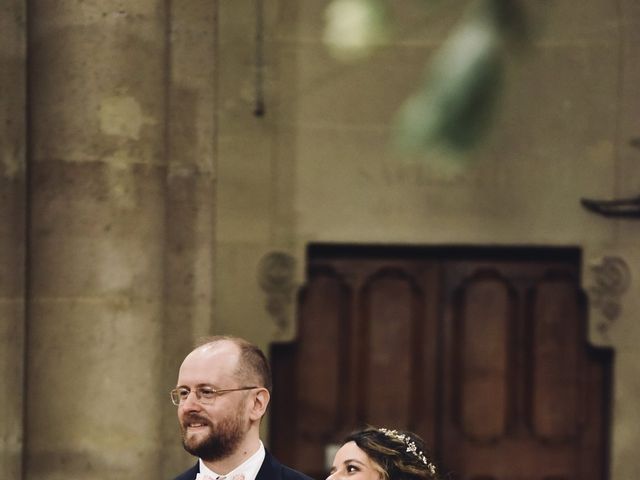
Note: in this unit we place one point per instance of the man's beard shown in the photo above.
(222, 440)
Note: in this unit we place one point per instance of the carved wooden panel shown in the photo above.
(391, 310)
(483, 331)
(556, 360)
(324, 306)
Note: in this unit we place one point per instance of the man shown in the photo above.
(222, 394)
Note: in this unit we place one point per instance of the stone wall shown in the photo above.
(12, 234)
(322, 169)
(107, 239)
(165, 164)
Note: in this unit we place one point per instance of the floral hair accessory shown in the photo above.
(411, 447)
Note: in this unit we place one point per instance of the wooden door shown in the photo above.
(524, 397)
(482, 352)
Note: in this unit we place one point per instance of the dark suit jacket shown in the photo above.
(271, 469)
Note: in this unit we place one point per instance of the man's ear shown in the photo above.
(259, 404)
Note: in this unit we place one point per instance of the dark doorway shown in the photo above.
(482, 351)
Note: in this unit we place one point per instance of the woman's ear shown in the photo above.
(259, 404)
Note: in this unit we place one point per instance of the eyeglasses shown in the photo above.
(205, 395)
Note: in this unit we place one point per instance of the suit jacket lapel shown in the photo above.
(190, 474)
(269, 469)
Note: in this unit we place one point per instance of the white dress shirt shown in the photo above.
(249, 468)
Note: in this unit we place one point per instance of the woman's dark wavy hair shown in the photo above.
(389, 452)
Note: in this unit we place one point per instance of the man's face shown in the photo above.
(212, 432)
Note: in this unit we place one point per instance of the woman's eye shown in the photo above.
(352, 468)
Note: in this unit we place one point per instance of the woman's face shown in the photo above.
(351, 462)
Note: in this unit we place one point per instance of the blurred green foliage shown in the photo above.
(453, 106)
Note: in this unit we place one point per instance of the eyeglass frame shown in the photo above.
(198, 391)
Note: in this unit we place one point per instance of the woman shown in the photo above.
(383, 454)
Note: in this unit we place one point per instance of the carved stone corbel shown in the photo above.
(608, 279)
(276, 277)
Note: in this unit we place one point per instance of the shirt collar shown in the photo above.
(249, 468)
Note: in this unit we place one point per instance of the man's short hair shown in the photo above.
(252, 365)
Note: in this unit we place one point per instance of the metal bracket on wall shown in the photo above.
(620, 208)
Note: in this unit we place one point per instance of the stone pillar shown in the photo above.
(190, 202)
(97, 105)
(12, 234)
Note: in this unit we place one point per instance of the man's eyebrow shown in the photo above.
(200, 385)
